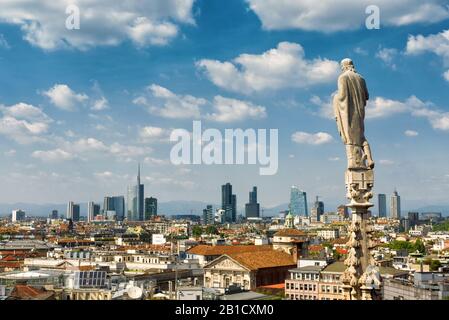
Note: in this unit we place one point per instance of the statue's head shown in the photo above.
(347, 64)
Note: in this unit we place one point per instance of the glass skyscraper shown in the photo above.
(382, 205)
(395, 206)
(135, 200)
(229, 203)
(252, 208)
(116, 204)
(150, 208)
(298, 202)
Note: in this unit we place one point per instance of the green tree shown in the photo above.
(197, 231)
(419, 246)
(211, 230)
(434, 265)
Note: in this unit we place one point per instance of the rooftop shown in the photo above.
(207, 250)
(290, 232)
(254, 260)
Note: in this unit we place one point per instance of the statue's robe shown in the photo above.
(349, 107)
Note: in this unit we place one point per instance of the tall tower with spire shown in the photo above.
(136, 199)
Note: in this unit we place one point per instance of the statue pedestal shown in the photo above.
(359, 184)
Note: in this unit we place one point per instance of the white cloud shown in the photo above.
(435, 43)
(10, 153)
(386, 162)
(88, 145)
(282, 67)
(24, 123)
(446, 75)
(387, 55)
(104, 175)
(65, 98)
(325, 109)
(26, 112)
(173, 106)
(361, 51)
(334, 159)
(230, 110)
(382, 107)
(155, 161)
(311, 138)
(52, 155)
(411, 133)
(100, 104)
(329, 16)
(102, 22)
(153, 134)
(3, 42)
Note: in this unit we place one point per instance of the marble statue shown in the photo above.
(349, 108)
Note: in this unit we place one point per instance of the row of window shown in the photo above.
(300, 286)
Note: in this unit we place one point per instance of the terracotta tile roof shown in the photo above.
(24, 292)
(274, 286)
(254, 260)
(206, 250)
(290, 232)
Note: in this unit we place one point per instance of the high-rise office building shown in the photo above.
(298, 202)
(317, 210)
(413, 218)
(93, 210)
(73, 211)
(54, 214)
(17, 215)
(208, 215)
(136, 200)
(115, 204)
(381, 205)
(150, 208)
(228, 203)
(252, 208)
(395, 206)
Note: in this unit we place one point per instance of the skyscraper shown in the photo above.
(298, 202)
(228, 203)
(136, 200)
(382, 205)
(208, 215)
(54, 214)
(150, 208)
(317, 210)
(17, 215)
(73, 211)
(116, 204)
(395, 206)
(93, 210)
(252, 208)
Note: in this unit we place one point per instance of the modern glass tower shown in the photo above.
(298, 202)
(382, 205)
(135, 200)
(395, 206)
(150, 208)
(73, 211)
(229, 203)
(116, 204)
(252, 208)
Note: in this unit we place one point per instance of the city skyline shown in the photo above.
(76, 111)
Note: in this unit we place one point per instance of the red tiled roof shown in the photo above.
(24, 292)
(254, 260)
(206, 250)
(290, 232)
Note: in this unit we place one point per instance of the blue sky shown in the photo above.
(80, 108)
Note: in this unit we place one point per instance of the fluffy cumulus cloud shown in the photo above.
(24, 123)
(165, 103)
(435, 43)
(387, 55)
(411, 133)
(311, 138)
(231, 110)
(102, 22)
(282, 67)
(331, 15)
(55, 155)
(63, 97)
(170, 105)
